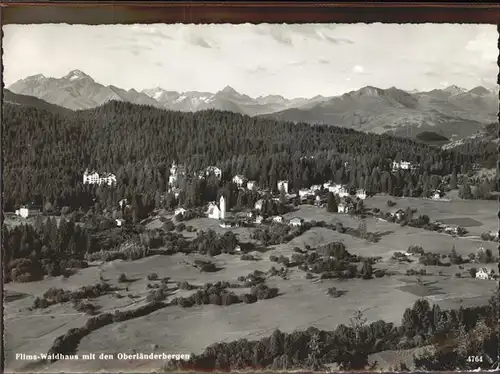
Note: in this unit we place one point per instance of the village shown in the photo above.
(346, 202)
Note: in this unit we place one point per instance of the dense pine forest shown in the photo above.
(46, 152)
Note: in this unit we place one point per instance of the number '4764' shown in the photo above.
(475, 359)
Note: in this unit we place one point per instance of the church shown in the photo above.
(217, 212)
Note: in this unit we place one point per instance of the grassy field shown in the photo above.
(483, 212)
(394, 237)
(302, 303)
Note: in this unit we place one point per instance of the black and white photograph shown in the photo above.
(250, 197)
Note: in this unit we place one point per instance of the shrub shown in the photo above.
(416, 250)
(248, 298)
(208, 267)
(40, 303)
(168, 226)
(86, 308)
(248, 257)
(379, 273)
(283, 260)
(297, 259)
(99, 321)
(399, 256)
(153, 277)
(229, 298)
(327, 275)
(25, 278)
(185, 286)
(340, 228)
(122, 278)
(416, 272)
(333, 292)
(185, 302)
(156, 295)
(262, 292)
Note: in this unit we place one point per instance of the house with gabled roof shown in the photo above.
(180, 211)
(485, 273)
(436, 194)
(296, 221)
(343, 207)
(259, 219)
(251, 185)
(397, 213)
(277, 219)
(213, 170)
(361, 194)
(239, 180)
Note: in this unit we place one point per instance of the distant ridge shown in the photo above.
(31, 101)
(453, 112)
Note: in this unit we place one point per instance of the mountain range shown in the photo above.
(452, 112)
(77, 91)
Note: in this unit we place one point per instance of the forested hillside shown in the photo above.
(46, 152)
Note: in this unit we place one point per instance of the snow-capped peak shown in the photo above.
(37, 77)
(76, 74)
(454, 90)
(156, 92)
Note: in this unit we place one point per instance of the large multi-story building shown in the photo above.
(177, 172)
(93, 177)
(404, 165)
(213, 170)
(28, 210)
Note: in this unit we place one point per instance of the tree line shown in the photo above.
(45, 154)
(454, 334)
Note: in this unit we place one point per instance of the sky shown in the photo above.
(292, 60)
